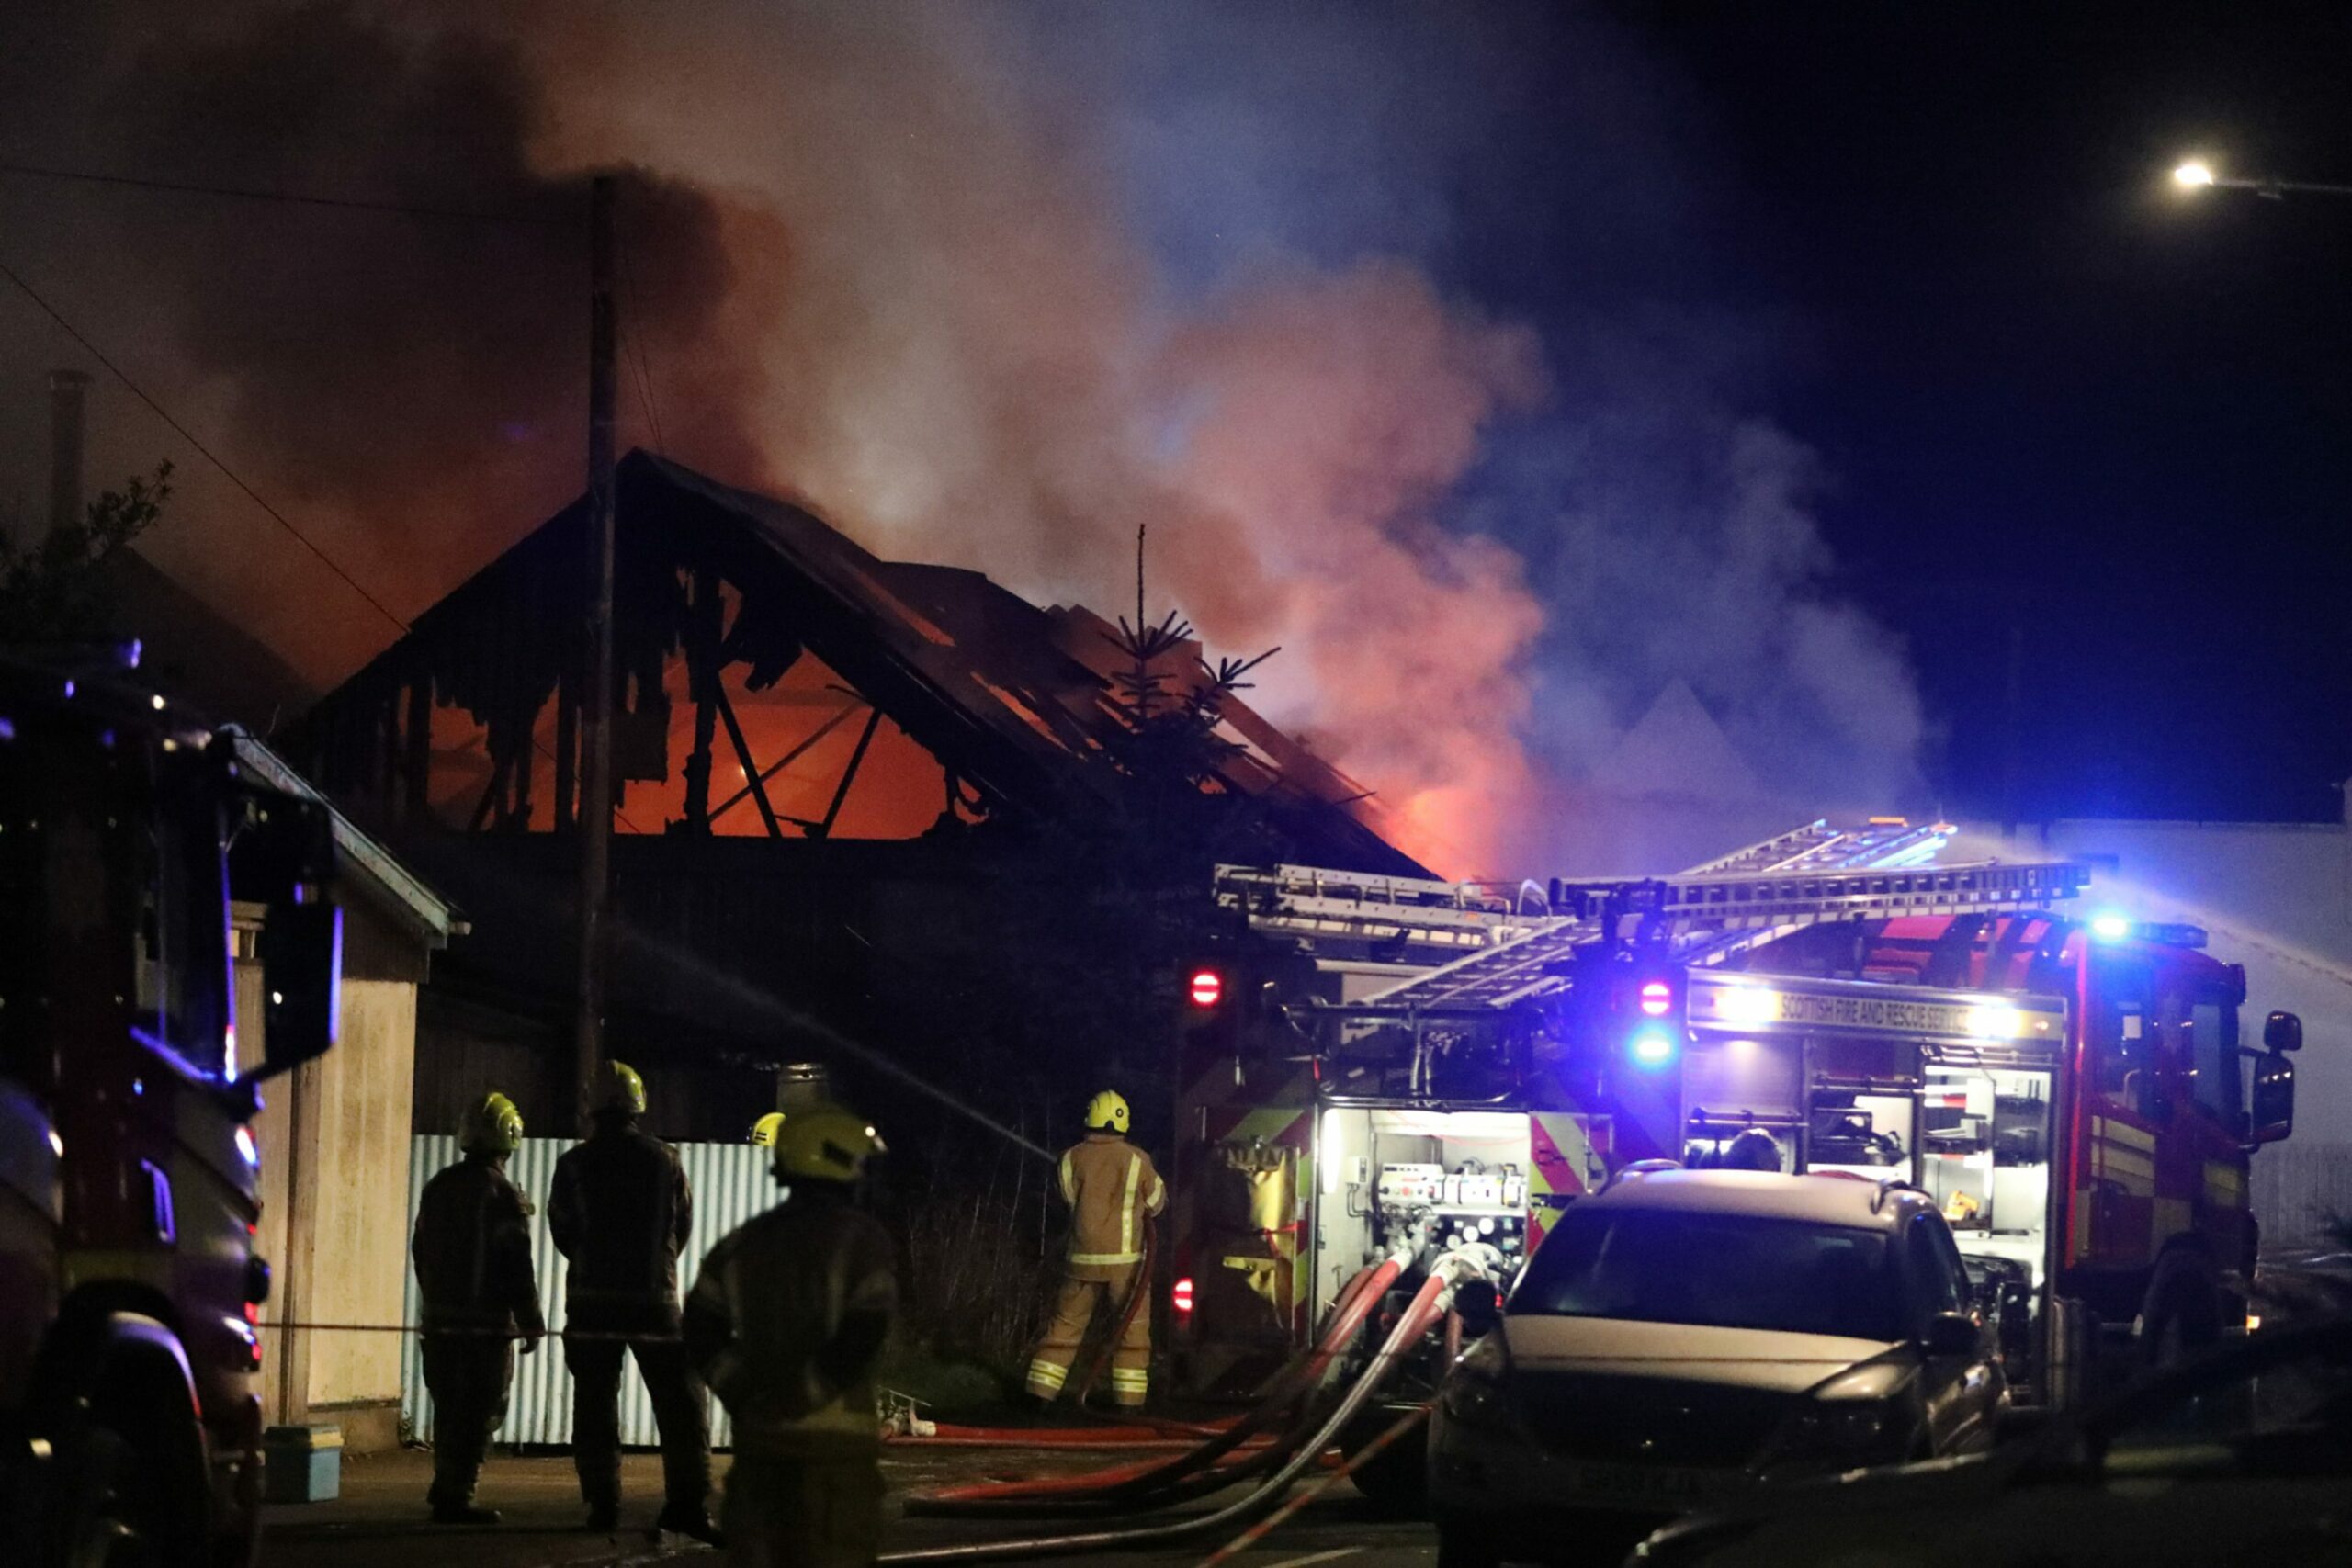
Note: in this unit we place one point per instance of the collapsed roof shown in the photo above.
(722, 596)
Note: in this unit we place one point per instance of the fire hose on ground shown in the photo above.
(1124, 1487)
(1428, 1305)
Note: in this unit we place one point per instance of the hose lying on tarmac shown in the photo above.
(1131, 1487)
(1428, 1305)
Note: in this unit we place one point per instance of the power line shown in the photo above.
(637, 345)
(12, 275)
(296, 199)
(206, 451)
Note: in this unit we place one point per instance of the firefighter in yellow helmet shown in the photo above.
(764, 1130)
(619, 1209)
(1112, 1191)
(786, 1321)
(473, 1274)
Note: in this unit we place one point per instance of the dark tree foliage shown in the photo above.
(58, 590)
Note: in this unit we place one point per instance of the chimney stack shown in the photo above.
(66, 389)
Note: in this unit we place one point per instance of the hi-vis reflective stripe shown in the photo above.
(2121, 1132)
(1106, 1258)
(1127, 1203)
(1048, 1375)
(1070, 1181)
(1135, 1378)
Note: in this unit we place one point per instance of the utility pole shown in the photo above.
(597, 701)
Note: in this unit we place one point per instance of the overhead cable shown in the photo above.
(295, 198)
(206, 451)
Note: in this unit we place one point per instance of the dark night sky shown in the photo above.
(1933, 244)
(2047, 389)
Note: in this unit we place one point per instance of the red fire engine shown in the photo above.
(128, 1186)
(1375, 1056)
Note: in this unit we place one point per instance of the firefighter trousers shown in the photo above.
(1073, 1313)
(680, 1414)
(468, 1375)
(803, 1513)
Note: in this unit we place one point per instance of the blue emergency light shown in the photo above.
(1654, 1046)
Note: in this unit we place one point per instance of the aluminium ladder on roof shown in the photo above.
(1699, 907)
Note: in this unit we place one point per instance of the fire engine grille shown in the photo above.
(1647, 1421)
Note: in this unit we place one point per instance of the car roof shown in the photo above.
(1762, 1194)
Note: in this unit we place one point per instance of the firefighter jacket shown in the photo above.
(473, 1252)
(786, 1321)
(1110, 1190)
(619, 1208)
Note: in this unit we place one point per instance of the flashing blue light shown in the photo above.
(2110, 926)
(1653, 1047)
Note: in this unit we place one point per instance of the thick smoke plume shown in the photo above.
(891, 257)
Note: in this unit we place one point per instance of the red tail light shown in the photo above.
(1181, 1297)
(1207, 988)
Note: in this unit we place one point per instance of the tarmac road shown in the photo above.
(379, 1520)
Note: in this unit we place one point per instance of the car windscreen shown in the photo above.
(1721, 1270)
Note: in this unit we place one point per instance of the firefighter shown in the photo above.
(1754, 1149)
(473, 1272)
(620, 1210)
(786, 1321)
(1112, 1191)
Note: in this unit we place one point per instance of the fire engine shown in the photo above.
(129, 1175)
(1369, 1055)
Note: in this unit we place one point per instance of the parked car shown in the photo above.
(1685, 1333)
(2242, 1455)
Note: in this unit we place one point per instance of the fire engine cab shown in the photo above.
(1378, 1058)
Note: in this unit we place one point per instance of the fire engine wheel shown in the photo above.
(131, 1486)
(2183, 1313)
(114, 1520)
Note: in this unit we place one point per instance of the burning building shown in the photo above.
(859, 804)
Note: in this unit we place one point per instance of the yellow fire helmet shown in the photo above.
(764, 1130)
(826, 1143)
(619, 1088)
(490, 1125)
(1107, 1112)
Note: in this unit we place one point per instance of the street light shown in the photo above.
(2196, 173)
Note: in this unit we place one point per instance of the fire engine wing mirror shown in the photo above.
(1480, 1306)
(2271, 1106)
(301, 976)
(284, 859)
(2283, 1031)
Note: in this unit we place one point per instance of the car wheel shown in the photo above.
(1397, 1479)
(1462, 1546)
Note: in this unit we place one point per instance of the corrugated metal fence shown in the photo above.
(731, 1184)
(2297, 1188)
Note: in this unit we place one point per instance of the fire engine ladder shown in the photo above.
(1307, 901)
(1881, 843)
(1810, 875)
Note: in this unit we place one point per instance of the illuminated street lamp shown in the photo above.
(2196, 173)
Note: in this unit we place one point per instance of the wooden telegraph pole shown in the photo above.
(596, 699)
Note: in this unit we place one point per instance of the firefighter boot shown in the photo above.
(693, 1526)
